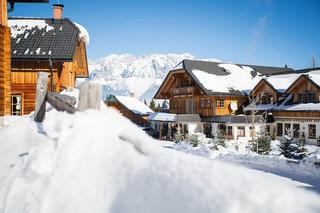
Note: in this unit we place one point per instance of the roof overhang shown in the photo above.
(188, 118)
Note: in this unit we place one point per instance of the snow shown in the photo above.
(160, 116)
(19, 26)
(84, 35)
(98, 161)
(236, 78)
(123, 74)
(134, 104)
(282, 82)
(38, 51)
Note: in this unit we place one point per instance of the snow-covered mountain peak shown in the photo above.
(123, 74)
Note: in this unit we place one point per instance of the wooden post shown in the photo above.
(41, 93)
(3, 13)
(5, 63)
(90, 96)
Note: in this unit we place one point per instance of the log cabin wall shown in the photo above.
(205, 105)
(263, 88)
(183, 91)
(24, 79)
(137, 119)
(295, 114)
(303, 85)
(5, 57)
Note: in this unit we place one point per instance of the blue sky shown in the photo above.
(264, 32)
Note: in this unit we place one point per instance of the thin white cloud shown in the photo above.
(257, 33)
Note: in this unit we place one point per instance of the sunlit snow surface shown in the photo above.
(98, 161)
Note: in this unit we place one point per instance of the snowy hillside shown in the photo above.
(140, 75)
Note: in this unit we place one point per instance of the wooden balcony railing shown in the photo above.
(184, 90)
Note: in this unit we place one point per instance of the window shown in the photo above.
(311, 97)
(222, 128)
(221, 103)
(267, 98)
(312, 131)
(287, 128)
(207, 103)
(191, 106)
(302, 98)
(296, 130)
(201, 103)
(241, 132)
(279, 129)
(215, 104)
(252, 131)
(16, 105)
(229, 130)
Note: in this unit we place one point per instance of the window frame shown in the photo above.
(315, 131)
(278, 129)
(222, 106)
(12, 105)
(295, 132)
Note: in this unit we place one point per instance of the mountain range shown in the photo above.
(140, 76)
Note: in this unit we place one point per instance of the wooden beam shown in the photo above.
(3, 13)
(90, 96)
(62, 103)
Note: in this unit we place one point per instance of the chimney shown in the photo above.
(57, 11)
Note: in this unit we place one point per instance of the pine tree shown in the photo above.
(293, 148)
(219, 140)
(264, 143)
(153, 105)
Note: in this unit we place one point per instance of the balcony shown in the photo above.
(184, 90)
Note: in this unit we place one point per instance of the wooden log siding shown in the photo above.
(178, 105)
(5, 86)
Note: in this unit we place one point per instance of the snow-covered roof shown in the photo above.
(134, 105)
(44, 38)
(160, 116)
(84, 35)
(236, 79)
(285, 105)
(218, 78)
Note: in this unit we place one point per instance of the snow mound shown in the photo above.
(98, 161)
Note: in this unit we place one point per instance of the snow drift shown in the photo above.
(98, 161)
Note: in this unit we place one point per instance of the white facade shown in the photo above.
(304, 125)
(241, 131)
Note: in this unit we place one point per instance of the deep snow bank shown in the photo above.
(100, 162)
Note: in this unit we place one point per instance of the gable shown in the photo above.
(303, 83)
(80, 60)
(174, 79)
(263, 87)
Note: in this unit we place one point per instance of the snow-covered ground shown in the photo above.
(98, 161)
(306, 172)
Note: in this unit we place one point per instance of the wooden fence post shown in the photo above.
(90, 96)
(41, 93)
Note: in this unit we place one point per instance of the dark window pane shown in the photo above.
(279, 129)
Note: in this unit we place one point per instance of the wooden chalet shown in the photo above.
(55, 45)
(131, 108)
(296, 106)
(5, 56)
(210, 89)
